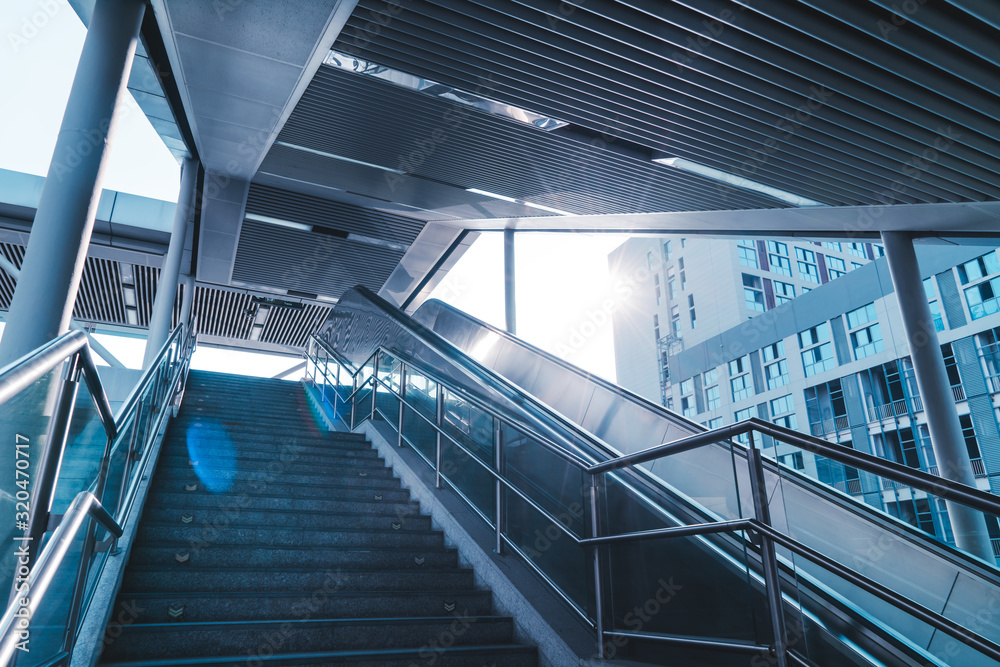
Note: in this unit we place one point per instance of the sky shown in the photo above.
(561, 278)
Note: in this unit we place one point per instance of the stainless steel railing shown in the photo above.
(130, 434)
(757, 531)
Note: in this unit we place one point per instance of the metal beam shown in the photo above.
(968, 525)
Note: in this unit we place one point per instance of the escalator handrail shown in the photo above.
(896, 472)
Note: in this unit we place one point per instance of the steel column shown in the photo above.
(768, 556)
(438, 421)
(947, 441)
(60, 234)
(510, 303)
(166, 288)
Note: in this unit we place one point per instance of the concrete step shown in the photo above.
(229, 505)
(379, 478)
(278, 519)
(143, 579)
(275, 486)
(258, 606)
(499, 655)
(209, 555)
(252, 536)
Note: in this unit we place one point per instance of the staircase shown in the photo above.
(268, 541)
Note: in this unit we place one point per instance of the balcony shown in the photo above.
(978, 468)
(889, 410)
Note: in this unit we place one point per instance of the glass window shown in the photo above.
(747, 252)
(783, 292)
(711, 377)
(818, 359)
(836, 267)
(687, 386)
(855, 265)
(806, 263)
(857, 249)
(782, 405)
(832, 245)
(688, 407)
(713, 398)
(775, 351)
(776, 374)
(878, 250)
(814, 335)
(713, 424)
(667, 251)
(866, 340)
(738, 366)
(742, 387)
(777, 257)
(982, 298)
(672, 288)
(862, 315)
(753, 293)
(979, 268)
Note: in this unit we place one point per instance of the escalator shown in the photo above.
(701, 597)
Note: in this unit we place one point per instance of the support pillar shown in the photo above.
(60, 234)
(508, 281)
(166, 289)
(187, 300)
(953, 462)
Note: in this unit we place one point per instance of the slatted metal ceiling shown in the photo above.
(488, 153)
(891, 108)
(276, 203)
(309, 262)
(218, 311)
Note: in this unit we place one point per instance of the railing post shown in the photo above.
(595, 530)
(374, 379)
(354, 397)
(48, 466)
(402, 397)
(336, 393)
(438, 421)
(498, 462)
(768, 556)
(326, 368)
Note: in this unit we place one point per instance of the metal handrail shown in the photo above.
(22, 373)
(83, 506)
(519, 424)
(72, 349)
(896, 472)
(759, 530)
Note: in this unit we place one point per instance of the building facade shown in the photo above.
(833, 362)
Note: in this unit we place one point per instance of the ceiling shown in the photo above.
(323, 172)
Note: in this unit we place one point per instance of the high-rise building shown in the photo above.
(833, 362)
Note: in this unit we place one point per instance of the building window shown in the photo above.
(742, 415)
(817, 350)
(857, 249)
(793, 460)
(835, 267)
(832, 245)
(777, 257)
(855, 265)
(979, 268)
(806, 262)
(866, 336)
(878, 251)
(667, 252)
(688, 405)
(713, 424)
(694, 319)
(753, 292)
(747, 252)
(740, 381)
(931, 292)
(783, 292)
(776, 374)
(649, 260)
(713, 398)
(684, 243)
(783, 411)
(989, 352)
(683, 276)
(983, 298)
